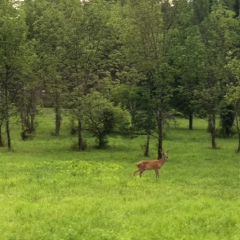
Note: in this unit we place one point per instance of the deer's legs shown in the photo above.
(136, 172)
(139, 171)
(157, 172)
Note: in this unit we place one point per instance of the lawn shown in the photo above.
(48, 191)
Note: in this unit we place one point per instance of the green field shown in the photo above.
(48, 191)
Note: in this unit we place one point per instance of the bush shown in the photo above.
(102, 118)
(25, 135)
(75, 146)
(227, 120)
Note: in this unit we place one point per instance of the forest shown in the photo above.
(126, 67)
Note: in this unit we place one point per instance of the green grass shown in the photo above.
(49, 192)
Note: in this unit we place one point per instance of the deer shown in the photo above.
(151, 164)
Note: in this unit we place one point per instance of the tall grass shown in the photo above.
(48, 191)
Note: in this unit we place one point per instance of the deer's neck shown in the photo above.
(162, 159)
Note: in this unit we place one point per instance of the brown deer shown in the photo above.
(151, 164)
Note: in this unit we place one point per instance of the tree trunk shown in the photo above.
(214, 146)
(238, 150)
(102, 140)
(32, 123)
(33, 110)
(8, 135)
(212, 129)
(1, 138)
(160, 131)
(133, 111)
(238, 131)
(190, 120)
(22, 120)
(80, 139)
(28, 114)
(7, 105)
(146, 153)
(25, 121)
(58, 119)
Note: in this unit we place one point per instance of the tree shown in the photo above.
(186, 57)
(90, 62)
(201, 10)
(49, 32)
(218, 33)
(101, 117)
(13, 60)
(2, 119)
(29, 99)
(149, 39)
(226, 119)
(232, 96)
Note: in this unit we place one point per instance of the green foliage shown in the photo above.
(25, 134)
(201, 10)
(227, 121)
(218, 35)
(232, 97)
(101, 117)
(149, 56)
(144, 121)
(17, 62)
(75, 146)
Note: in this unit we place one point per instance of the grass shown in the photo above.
(49, 192)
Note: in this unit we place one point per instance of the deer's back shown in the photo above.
(149, 164)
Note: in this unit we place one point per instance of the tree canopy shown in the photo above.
(118, 66)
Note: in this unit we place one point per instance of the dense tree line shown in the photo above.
(120, 65)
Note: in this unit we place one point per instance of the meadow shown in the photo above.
(50, 192)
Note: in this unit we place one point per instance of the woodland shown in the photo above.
(120, 67)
